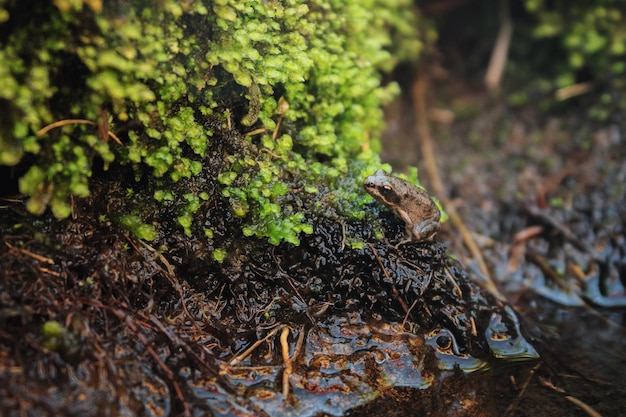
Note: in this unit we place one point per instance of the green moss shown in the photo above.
(219, 254)
(300, 80)
(134, 224)
(53, 334)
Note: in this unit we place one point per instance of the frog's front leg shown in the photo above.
(424, 230)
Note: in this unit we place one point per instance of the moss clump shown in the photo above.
(300, 80)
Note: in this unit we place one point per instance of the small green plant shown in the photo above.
(55, 335)
(134, 224)
(219, 255)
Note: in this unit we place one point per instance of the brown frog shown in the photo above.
(407, 201)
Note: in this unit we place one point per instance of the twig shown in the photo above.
(406, 316)
(517, 400)
(289, 360)
(419, 97)
(572, 91)
(527, 233)
(583, 406)
(579, 403)
(270, 153)
(275, 133)
(454, 283)
(62, 123)
(500, 49)
(67, 122)
(248, 351)
(550, 184)
(48, 271)
(33, 255)
(548, 271)
(283, 106)
(284, 345)
(405, 307)
(256, 131)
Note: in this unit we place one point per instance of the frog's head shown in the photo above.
(383, 187)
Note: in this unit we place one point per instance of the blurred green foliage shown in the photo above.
(302, 78)
(590, 41)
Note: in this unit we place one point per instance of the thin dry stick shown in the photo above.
(256, 131)
(582, 405)
(33, 255)
(500, 49)
(62, 123)
(289, 362)
(405, 307)
(406, 316)
(515, 403)
(66, 122)
(48, 271)
(572, 91)
(299, 343)
(284, 344)
(454, 283)
(248, 351)
(419, 98)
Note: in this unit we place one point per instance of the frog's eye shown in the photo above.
(386, 189)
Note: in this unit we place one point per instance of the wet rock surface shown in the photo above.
(316, 329)
(373, 319)
(94, 322)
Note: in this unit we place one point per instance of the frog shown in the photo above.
(407, 201)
